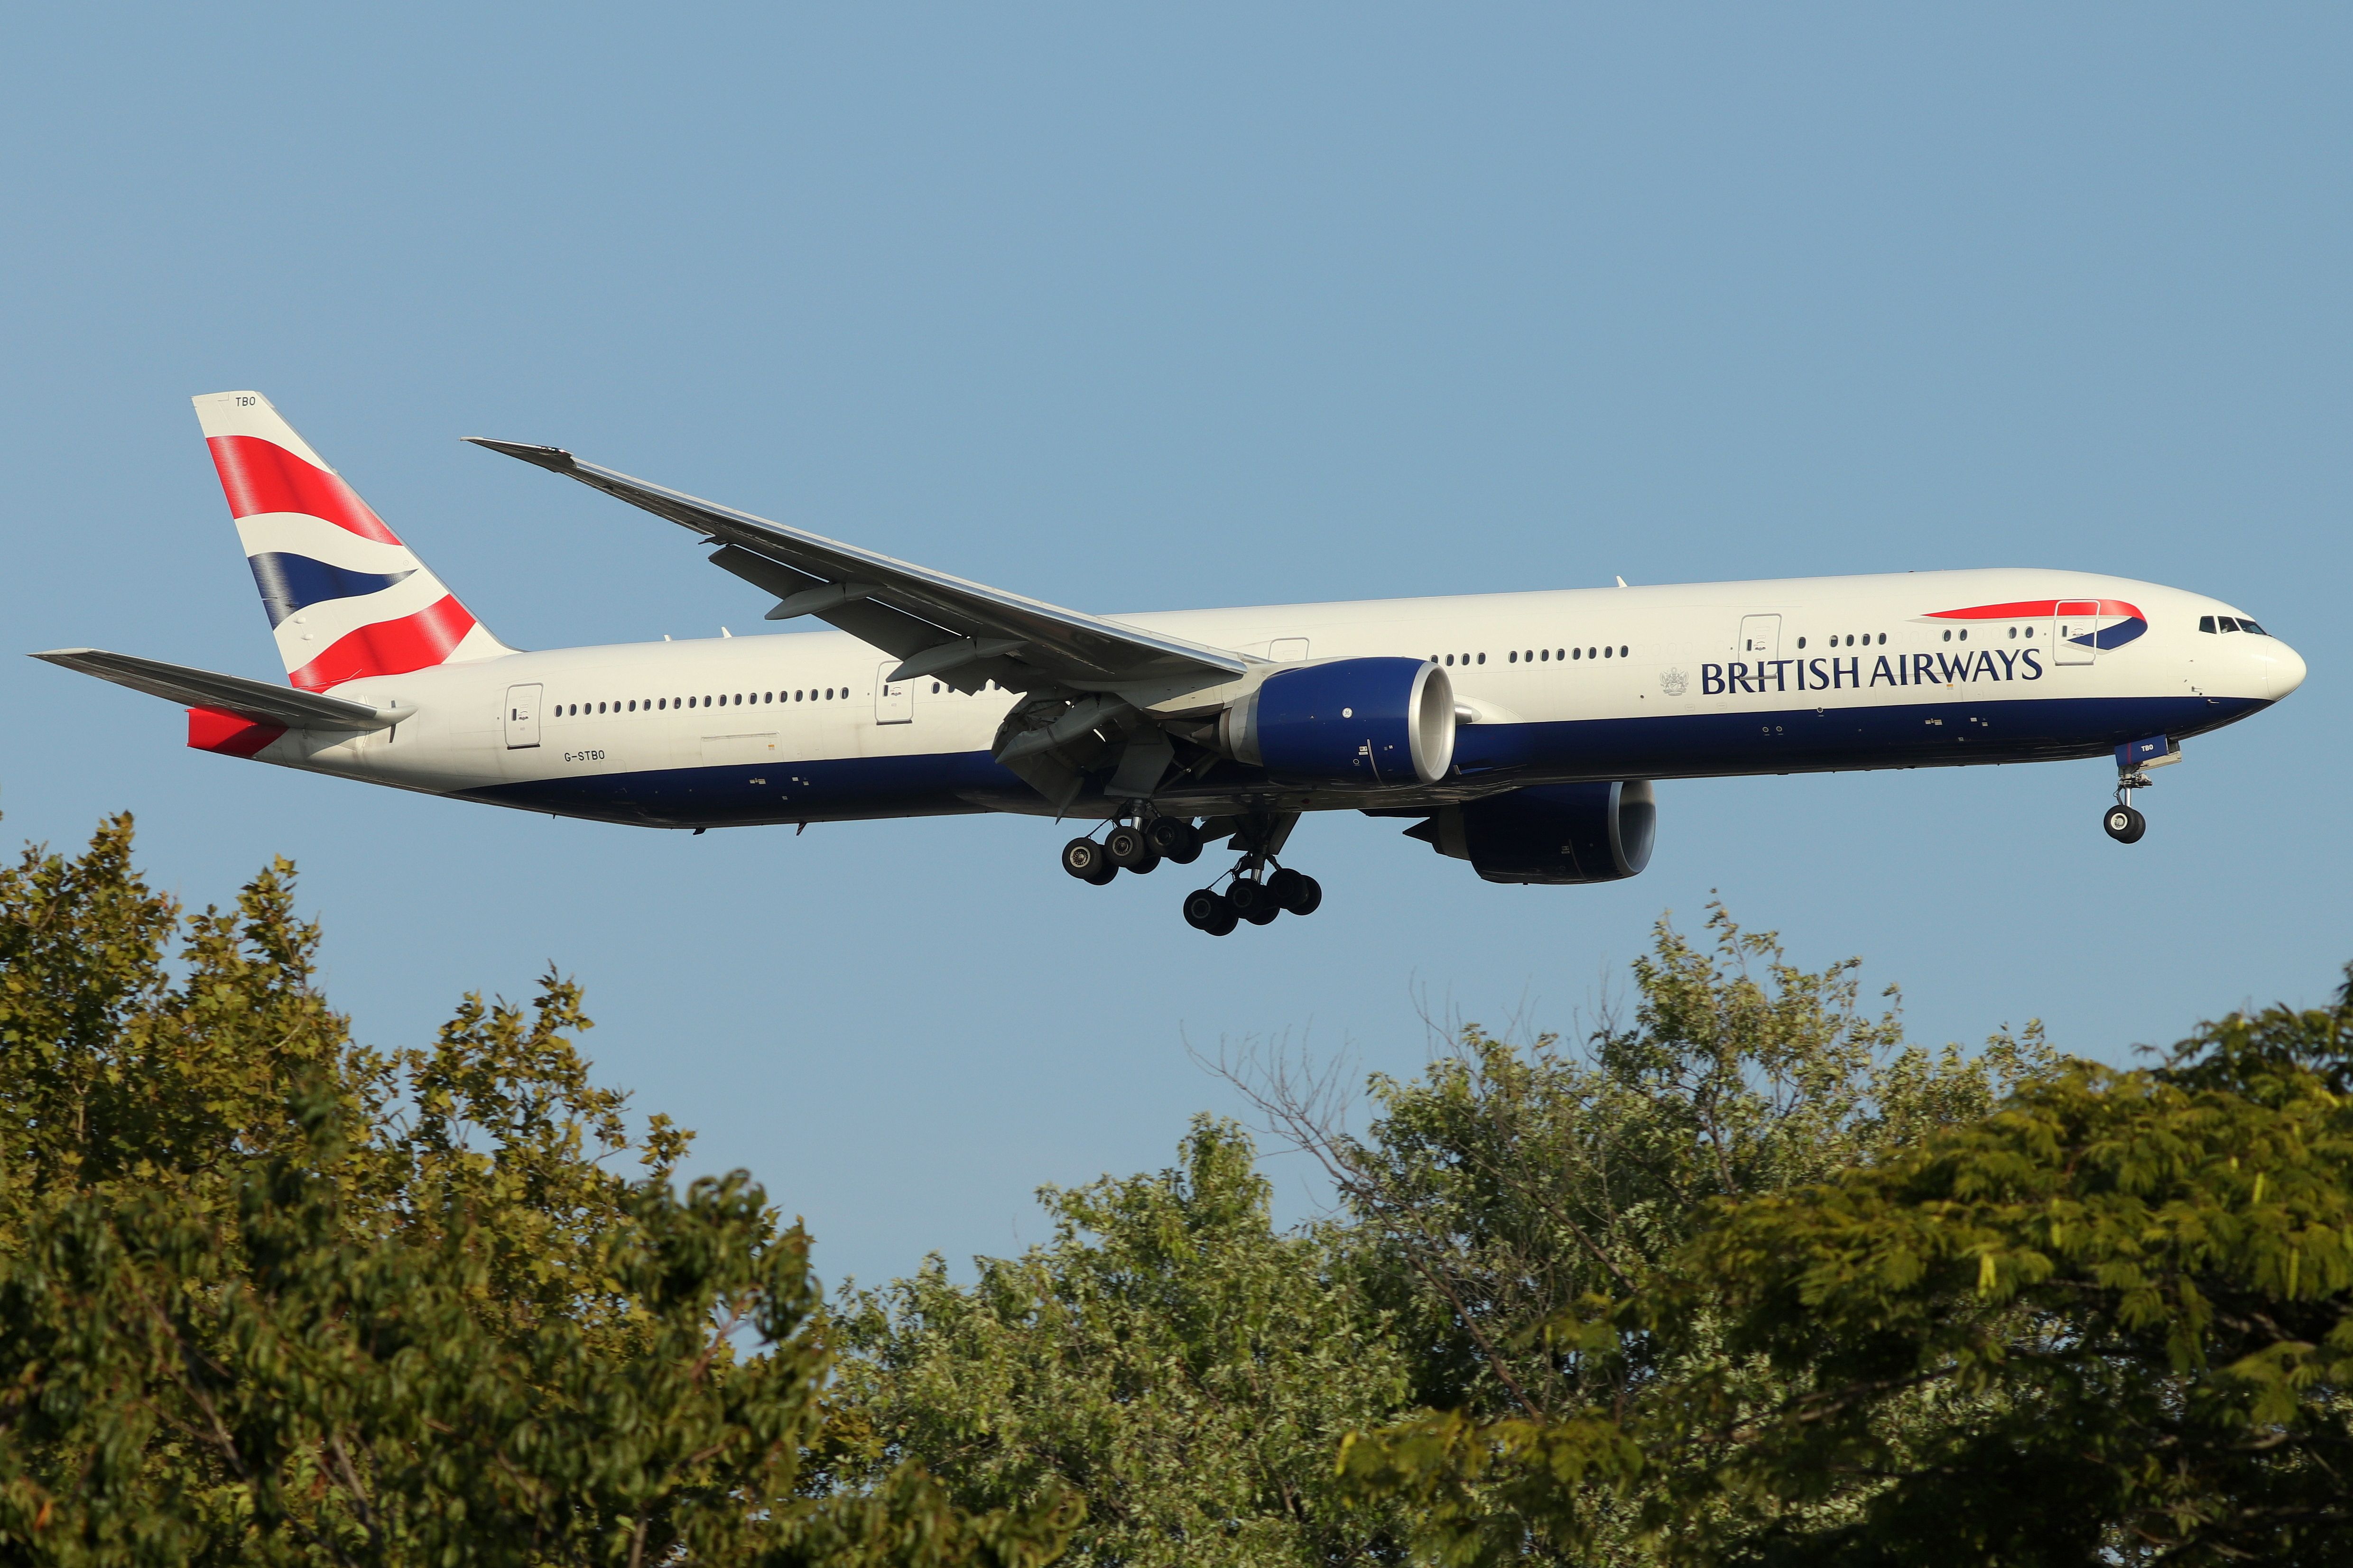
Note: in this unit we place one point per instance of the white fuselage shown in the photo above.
(1615, 683)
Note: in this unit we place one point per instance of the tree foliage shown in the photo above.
(1169, 1356)
(2128, 1295)
(1743, 1279)
(2107, 1321)
(268, 1296)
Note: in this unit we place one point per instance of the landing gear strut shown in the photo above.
(2134, 761)
(2120, 821)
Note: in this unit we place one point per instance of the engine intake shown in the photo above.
(1553, 834)
(1362, 721)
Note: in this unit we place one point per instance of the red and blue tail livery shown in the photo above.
(1523, 732)
(345, 597)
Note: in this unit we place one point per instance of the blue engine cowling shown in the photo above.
(1370, 723)
(1556, 834)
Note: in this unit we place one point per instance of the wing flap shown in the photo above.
(254, 700)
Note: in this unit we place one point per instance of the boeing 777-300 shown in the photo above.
(1522, 732)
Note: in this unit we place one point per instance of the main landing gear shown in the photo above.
(1256, 899)
(1131, 846)
(1259, 891)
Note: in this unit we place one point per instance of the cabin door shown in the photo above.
(894, 700)
(2071, 619)
(1760, 636)
(522, 717)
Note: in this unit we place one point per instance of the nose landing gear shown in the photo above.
(2121, 822)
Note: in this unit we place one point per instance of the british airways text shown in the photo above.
(1836, 674)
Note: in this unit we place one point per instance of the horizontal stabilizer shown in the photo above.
(252, 699)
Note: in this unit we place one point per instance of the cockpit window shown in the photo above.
(2205, 623)
(2247, 626)
(2229, 625)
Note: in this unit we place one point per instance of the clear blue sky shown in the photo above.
(1134, 309)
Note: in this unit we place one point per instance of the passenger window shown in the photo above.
(1544, 655)
(1801, 644)
(1605, 653)
(1483, 659)
(1576, 653)
(1559, 653)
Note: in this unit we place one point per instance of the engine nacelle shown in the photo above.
(1555, 833)
(1362, 721)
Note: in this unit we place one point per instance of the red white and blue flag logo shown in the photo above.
(2099, 624)
(345, 597)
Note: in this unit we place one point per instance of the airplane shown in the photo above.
(1523, 732)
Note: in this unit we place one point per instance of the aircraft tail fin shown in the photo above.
(345, 597)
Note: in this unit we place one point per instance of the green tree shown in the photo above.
(2127, 1296)
(267, 1296)
(2111, 1321)
(1509, 1183)
(1509, 1196)
(1169, 1356)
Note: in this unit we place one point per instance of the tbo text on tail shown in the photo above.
(1522, 732)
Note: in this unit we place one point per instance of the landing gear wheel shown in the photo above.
(2123, 824)
(1174, 839)
(1104, 872)
(1249, 898)
(1084, 858)
(1209, 911)
(1306, 898)
(1128, 850)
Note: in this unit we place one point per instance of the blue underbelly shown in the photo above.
(1946, 733)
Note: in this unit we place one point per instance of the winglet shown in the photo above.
(555, 459)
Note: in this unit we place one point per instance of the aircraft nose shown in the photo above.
(2287, 669)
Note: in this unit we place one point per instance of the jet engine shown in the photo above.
(1554, 834)
(1361, 721)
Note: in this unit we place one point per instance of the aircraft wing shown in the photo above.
(937, 625)
(255, 699)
